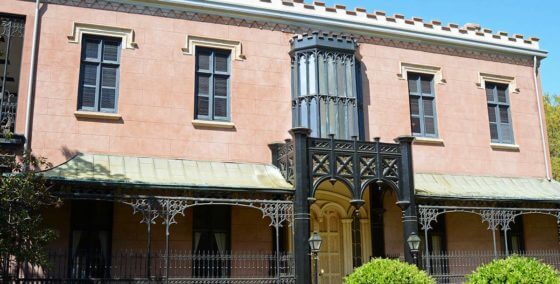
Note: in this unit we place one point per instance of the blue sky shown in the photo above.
(530, 18)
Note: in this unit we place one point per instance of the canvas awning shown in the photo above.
(486, 188)
(167, 173)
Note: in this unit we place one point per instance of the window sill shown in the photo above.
(428, 141)
(97, 115)
(505, 147)
(197, 123)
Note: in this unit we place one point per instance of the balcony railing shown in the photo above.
(133, 266)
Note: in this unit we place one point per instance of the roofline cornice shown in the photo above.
(335, 24)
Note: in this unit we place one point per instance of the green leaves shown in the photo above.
(515, 269)
(23, 194)
(552, 111)
(381, 270)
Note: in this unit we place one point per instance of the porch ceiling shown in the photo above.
(486, 188)
(168, 173)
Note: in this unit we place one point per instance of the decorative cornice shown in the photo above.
(177, 12)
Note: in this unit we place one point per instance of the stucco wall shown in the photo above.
(157, 97)
(393, 227)
(540, 232)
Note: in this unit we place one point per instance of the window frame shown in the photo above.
(497, 105)
(211, 94)
(420, 95)
(100, 62)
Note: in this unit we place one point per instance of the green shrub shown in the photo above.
(514, 269)
(381, 270)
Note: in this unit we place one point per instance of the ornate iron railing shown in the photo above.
(131, 266)
(452, 266)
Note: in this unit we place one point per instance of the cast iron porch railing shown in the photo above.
(452, 266)
(184, 267)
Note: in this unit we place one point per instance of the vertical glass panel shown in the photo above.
(302, 76)
(413, 83)
(203, 84)
(493, 131)
(220, 107)
(428, 106)
(322, 74)
(204, 60)
(331, 79)
(350, 79)
(414, 105)
(313, 117)
(490, 92)
(108, 98)
(341, 78)
(415, 124)
(220, 86)
(429, 125)
(304, 113)
(492, 113)
(332, 117)
(426, 84)
(324, 118)
(111, 51)
(88, 97)
(91, 48)
(89, 74)
(504, 114)
(502, 96)
(506, 133)
(109, 77)
(342, 121)
(202, 105)
(221, 62)
(312, 75)
(352, 120)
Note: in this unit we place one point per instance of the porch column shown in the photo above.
(410, 213)
(347, 245)
(302, 186)
(365, 234)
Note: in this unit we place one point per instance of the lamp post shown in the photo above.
(315, 245)
(414, 244)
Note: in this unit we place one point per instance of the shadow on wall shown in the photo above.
(364, 95)
(79, 168)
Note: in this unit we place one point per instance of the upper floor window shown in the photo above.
(212, 84)
(422, 105)
(499, 114)
(99, 74)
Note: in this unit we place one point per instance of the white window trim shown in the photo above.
(79, 29)
(194, 41)
(500, 79)
(405, 67)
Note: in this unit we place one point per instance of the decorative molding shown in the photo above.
(194, 41)
(505, 147)
(404, 68)
(432, 47)
(97, 115)
(428, 141)
(127, 35)
(507, 80)
(197, 123)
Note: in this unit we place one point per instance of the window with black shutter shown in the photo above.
(99, 74)
(423, 120)
(212, 84)
(499, 115)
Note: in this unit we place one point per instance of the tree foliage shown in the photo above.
(552, 110)
(23, 195)
(514, 269)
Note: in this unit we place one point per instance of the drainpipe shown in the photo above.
(31, 84)
(543, 137)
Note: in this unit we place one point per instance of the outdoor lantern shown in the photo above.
(413, 242)
(315, 242)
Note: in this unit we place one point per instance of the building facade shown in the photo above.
(207, 139)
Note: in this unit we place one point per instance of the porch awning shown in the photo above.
(167, 173)
(486, 188)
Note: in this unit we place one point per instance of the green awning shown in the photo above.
(486, 188)
(167, 173)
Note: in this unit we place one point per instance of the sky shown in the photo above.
(538, 18)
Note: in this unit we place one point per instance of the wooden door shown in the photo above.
(330, 256)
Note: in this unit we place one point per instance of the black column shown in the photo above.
(301, 225)
(410, 213)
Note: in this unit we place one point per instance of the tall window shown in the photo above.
(499, 114)
(356, 242)
(422, 105)
(515, 240)
(212, 84)
(99, 74)
(211, 238)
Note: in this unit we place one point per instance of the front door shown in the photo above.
(330, 256)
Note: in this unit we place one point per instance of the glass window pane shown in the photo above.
(203, 84)
(111, 51)
(415, 124)
(490, 92)
(428, 104)
(302, 76)
(426, 84)
(202, 105)
(203, 60)
(91, 48)
(221, 62)
(412, 83)
(492, 113)
(89, 74)
(414, 105)
(493, 131)
(502, 96)
(220, 107)
(342, 121)
(312, 75)
(322, 75)
(506, 133)
(313, 116)
(504, 114)
(220, 86)
(349, 79)
(341, 79)
(88, 97)
(108, 98)
(429, 125)
(109, 77)
(332, 76)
